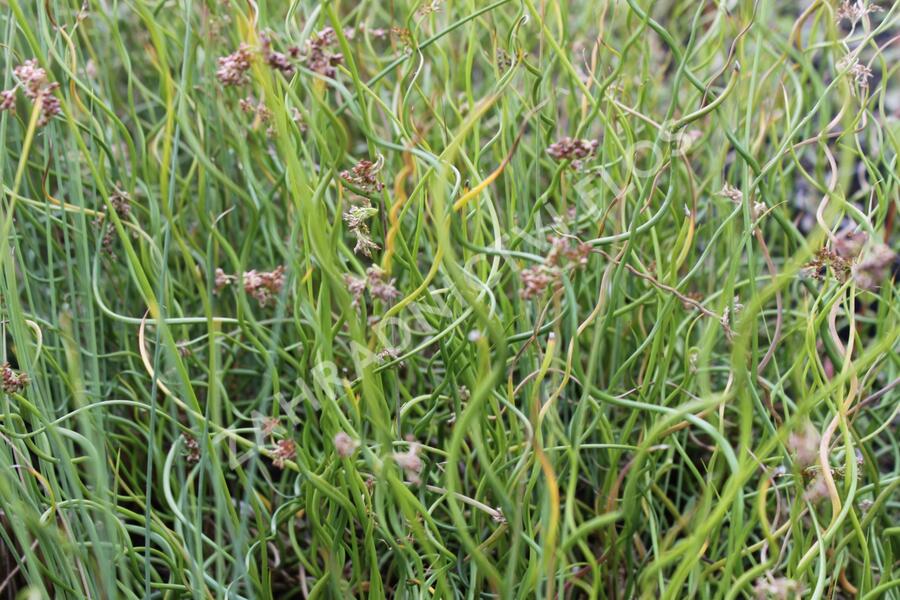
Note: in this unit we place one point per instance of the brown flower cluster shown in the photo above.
(849, 257)
(563, 255)
(285, 450)
(12, 381)
(825, 259)
(732, 193)
(380, 286)
(355, 217)
(264, 285)
(345, 445)
(571, 149)
(233, 68)
(36, 86)
(191, 449)
(874, 267)
(410, 462)
(403, 35)
(861, 73)
(376, 281)
(562, 250)
(259, 109)
(121, 204)
(364, 175)
(429, 8)
(777, 588)
(278, 60)
(223, 279)
(319, 57)
(854, 10)
(803, 444)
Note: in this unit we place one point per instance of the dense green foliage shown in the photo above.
(530, 298)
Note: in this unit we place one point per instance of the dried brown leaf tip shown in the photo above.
(13, 382)
(37, 87)
(232, 69)
(264, 285)
(572, 149)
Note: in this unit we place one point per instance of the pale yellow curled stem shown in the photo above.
(839, 419)
(148, 366)
(567, 374)
(832, 183)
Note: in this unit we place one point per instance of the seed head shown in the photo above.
(816, 491)
(410, 462)
(572, 149)
(264, 285)
(848, 243)
(319, 57)
(356, 286)
(223, 279)
(804, 445)
(345, 445)
(364, 175)
(854, 11)
(277, 60)
(12, 381)
(284, 450)
(873, 267)
(8, 100)
(732, 193)
(535, 280)
(777, 588)
(36, 86)
(861, 73)
(379, 286)
(233, 68)
(191, 449)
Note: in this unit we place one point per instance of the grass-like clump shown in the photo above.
(449, 299)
